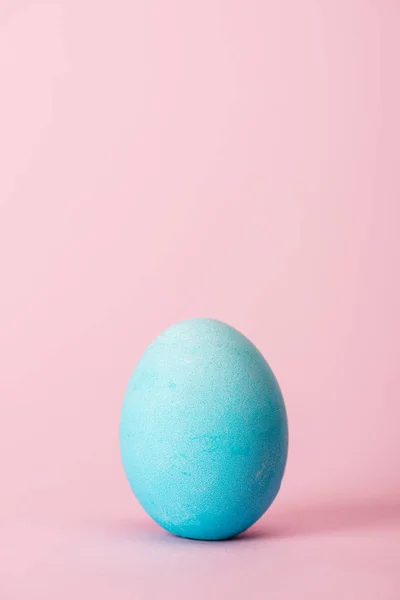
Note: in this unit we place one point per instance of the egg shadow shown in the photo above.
(295, 522)
(309, 521)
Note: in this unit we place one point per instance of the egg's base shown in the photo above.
(209, 539)
(224, 534)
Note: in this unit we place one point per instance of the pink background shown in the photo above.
(170, 159)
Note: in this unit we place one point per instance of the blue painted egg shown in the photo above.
(203, 431)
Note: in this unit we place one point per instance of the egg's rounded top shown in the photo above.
(203, 430)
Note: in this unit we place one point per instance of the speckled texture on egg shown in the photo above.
(203, 431)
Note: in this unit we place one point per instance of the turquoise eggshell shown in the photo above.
(203, 431)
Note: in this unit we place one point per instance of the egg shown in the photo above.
(203, 431)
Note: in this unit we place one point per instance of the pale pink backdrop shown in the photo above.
(168, 159)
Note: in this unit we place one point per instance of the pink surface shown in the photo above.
(161, 160)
